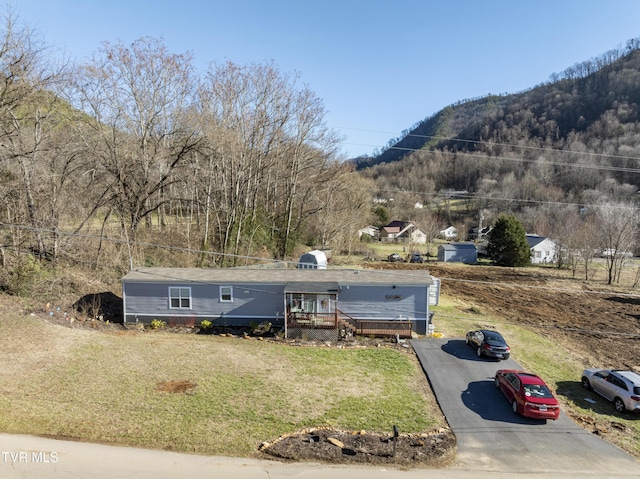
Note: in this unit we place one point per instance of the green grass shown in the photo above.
(102, 387)
(382, 250)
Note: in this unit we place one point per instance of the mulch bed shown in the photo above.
(435, 448)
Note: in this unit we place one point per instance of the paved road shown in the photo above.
(491, 437)
(73, 460)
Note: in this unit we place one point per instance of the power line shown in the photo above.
(487, 143)
(480, 156)
(525, 147)
(405, 273)
(514, 200)
(399, 273)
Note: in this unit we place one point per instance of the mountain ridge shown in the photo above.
(569, 103)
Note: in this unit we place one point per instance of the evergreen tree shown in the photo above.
(381, 214)
(508, 242)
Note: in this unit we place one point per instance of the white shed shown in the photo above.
(315, 259)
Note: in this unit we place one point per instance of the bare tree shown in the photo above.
(29, 113)
(136, 99)
(346, 200)
(272, 152)
(577, 239)
(430, 226)
(618, 228)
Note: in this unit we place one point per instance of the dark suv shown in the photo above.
(415, 258)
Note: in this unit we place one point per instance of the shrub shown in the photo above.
(206, 326)
(157, 324)
(23, 277)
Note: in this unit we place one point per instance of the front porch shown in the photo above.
(312, 314)
(338, 325)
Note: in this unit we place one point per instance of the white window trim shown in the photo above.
(230, 288)
(180, 297)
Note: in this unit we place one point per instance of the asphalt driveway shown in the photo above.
(491, 437)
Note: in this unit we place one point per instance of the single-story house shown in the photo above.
(370, 231)
(402, 231)
(449, 233)
(315, 259)
(543, 250)
(458, 253)
(317, 303)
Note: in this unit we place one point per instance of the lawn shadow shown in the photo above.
(461, 350)
(483, 398)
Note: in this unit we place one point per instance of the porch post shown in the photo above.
(286, 316)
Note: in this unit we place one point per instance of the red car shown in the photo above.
(528, 394)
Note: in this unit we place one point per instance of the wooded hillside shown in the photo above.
(552, 155)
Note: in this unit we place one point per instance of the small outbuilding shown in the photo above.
(458, 253)
(315, 259)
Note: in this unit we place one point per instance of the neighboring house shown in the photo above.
(458, 253)
(449, 233)
(319, 304)
(402, 232)
(315, 259)
(371, 231)
(543, 250)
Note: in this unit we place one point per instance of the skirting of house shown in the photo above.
(313, 334)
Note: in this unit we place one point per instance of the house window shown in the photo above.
(226, 294)
(180, 298)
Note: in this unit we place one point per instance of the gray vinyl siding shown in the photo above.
(382, 302)
(148, 301)
(259, 295)
(458, 253)
(368, 302)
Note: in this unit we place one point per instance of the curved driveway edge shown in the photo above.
(492, 438)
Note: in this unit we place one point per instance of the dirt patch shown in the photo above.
(176, 386)
(433, 449)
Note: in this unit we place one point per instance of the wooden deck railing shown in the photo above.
(375, 327)
(368, 327)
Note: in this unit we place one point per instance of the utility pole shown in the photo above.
(481, 217)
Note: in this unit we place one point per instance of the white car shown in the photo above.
(620, 387)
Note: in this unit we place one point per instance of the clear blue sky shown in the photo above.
(378, 66)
